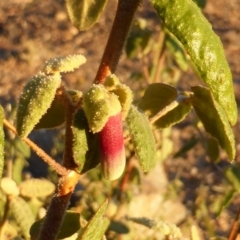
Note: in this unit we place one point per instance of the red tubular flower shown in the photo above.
(112, 148)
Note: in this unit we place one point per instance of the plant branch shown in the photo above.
(235, 228)
(46, 158)
(170, 107)
(58, 206)
(123, 19)
(70, 109)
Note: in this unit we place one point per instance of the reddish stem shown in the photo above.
(124, 16)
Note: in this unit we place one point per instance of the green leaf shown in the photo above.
(70, 225)
(156, 97)
(36, 188)
(186, 147)
(86, 150)
(233, 176)
(223, 201)
(142, 138)
(35, 100)
(176, 49)
(85, 13)
(174, 116)
(22, 214)
(63, 64)
(139, 39)
(118, 227)
(1, 141)
(200, 3)
(23, 150)
(184, 19)
(54, 117)
(97, 225)
(213, 149)
(214, 119)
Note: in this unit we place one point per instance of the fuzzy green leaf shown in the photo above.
(54, 117)
(214, 119)
(35, 100)
(174, 116)
(63, 64)
(142, 138)
(70, 225)
(213, 149)
(22, 214)
(22, 149)
(86, 151)
(36, 188)
(1, 141)
(139, 39)
(85, 13)
(156, 97)
(186, 21)
(177, 51)
(97, 225)
(233, 176)
(186, 147)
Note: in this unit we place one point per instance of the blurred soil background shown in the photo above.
(31, 32)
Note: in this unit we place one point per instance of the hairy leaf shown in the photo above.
(35, 100)
(213, 149)
(156, 97)
(214, 119)
(86, 151)
(177, 51)
(70, 225)
(36, 188)
(63, 64)
(54, 117)
(142, 138)
(232, 174)
(185, 20)
(174, 116)
(97, 225)
(22, 214)
(85, 13)
(1, 141)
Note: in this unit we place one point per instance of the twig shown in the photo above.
(235, 228)
(123, 19)
(70, 109)
(168, 108)
(46, 158)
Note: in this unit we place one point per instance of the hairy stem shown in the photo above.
(124, 16)
(168, 108)
(70, 110)
(58, 206)
(50, 161)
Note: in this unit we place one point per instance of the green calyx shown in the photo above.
(123, 92)
(99, 105)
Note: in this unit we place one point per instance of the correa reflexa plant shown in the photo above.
(102, 120)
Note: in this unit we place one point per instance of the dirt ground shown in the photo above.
(31, 32)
